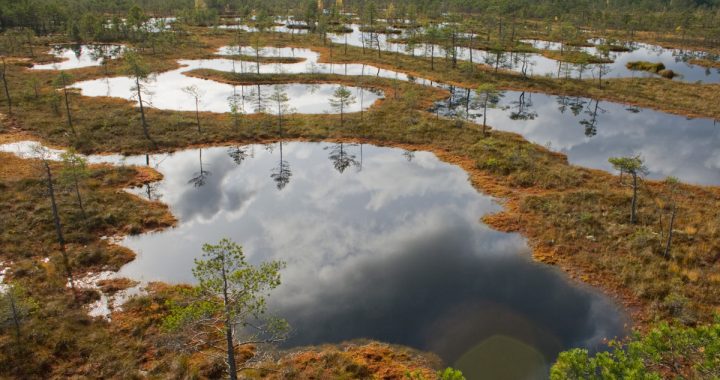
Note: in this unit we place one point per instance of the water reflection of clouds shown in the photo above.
(165, 91)
(394, 252)
(671, 145)
(416, 269)
(79, 56)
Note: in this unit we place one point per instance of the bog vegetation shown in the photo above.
(653, 245)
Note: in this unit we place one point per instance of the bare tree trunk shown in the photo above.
(67, 106)
(485, 104)
(342, 114)
(15, 316)
(257, 55)
(377, 40)
(3, 73)
(454, 51)
(633, 215)
(58, 227)
(197, 114)
(467, 104)
(670, 232)
(470, 49)
(432, 57)
(232, 367)
(77, 194)
(142, 108)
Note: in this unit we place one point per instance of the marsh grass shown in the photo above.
(573, 217)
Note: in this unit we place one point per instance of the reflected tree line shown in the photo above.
(474, 105)
(342, 156)
(339, 154)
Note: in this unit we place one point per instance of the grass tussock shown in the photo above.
(651, 67)
(705, 63)
(575, 56)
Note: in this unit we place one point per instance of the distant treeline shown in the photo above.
(52, 16)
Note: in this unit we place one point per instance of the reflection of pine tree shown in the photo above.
(341, 158)
(238, 154)
(282, 173)
(200, 178)
(259, 100)
(591, 122)
(522, 108)
(409, 155)
(151, 191)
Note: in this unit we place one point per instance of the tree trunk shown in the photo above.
(342, 116)
(670, 232)
(377, 40)
(142, 108)
(77, 193)
(257, 56)
(633, 215)
(5, 86)
(470, 49)
(67, 106)
(15, 316)
(197, 114)
(432, 57)
(58, 227)
(467, 104)
(485, 114)
(454, 51)
(232, 367)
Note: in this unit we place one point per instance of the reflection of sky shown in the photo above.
(694, 158)
(537, 64)
(75, 57)
(166, 91)
(671, 145)
(390, 250)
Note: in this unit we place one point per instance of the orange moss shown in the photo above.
(372, 360)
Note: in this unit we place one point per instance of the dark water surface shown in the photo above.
(379, 243)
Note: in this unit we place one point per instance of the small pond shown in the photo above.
(167, 91)
(590, 131)
(539, 65)
(380, 243)
(79, 56)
